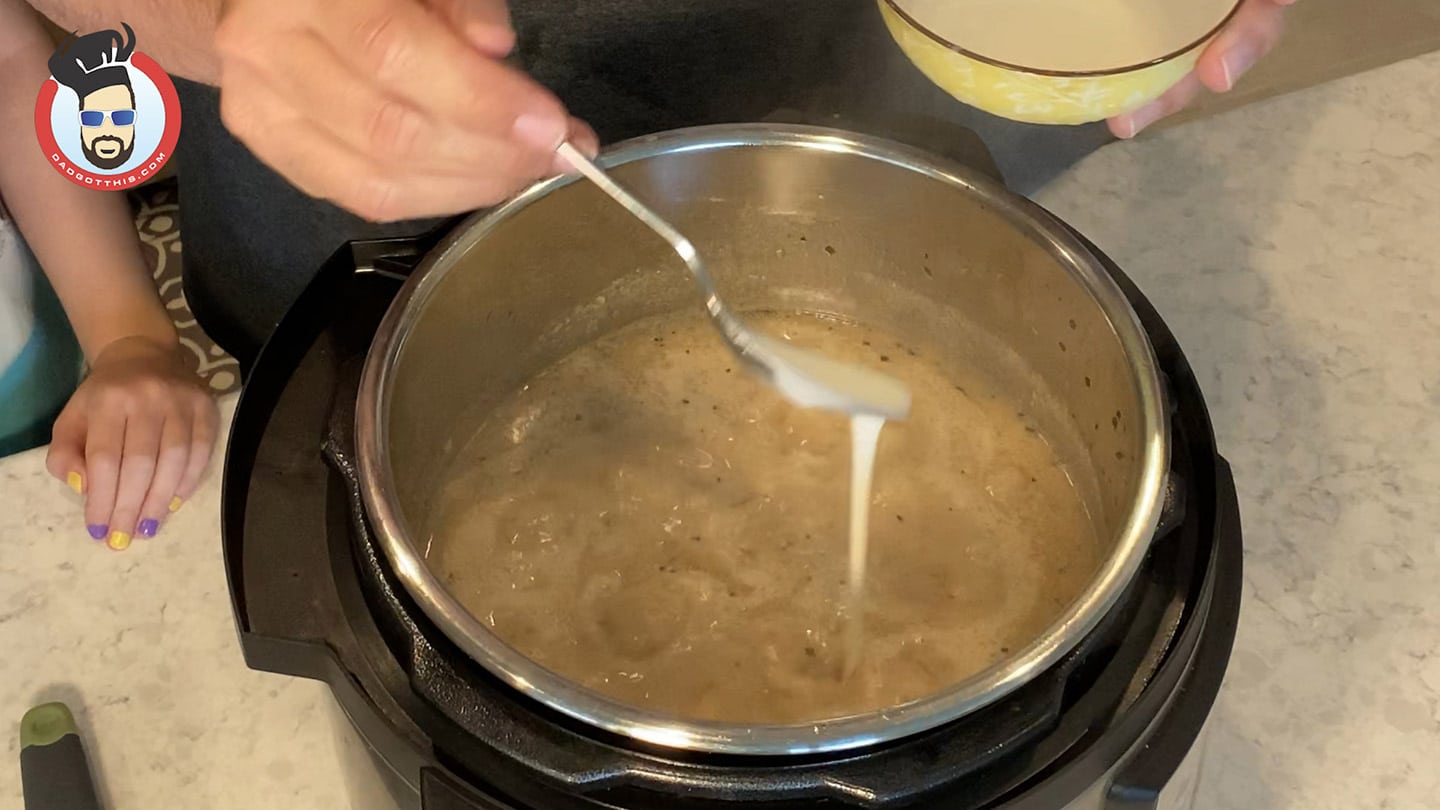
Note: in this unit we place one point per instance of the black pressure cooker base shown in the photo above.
(313, 597)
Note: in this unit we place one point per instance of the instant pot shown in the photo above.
(395, 338)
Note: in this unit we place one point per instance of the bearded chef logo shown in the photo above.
(108, 117)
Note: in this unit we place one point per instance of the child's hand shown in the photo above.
(134, 439)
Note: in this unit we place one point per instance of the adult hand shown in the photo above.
(1254, 31)
(134, 439)
(392, 109)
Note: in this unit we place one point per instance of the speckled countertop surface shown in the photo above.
(1292, 246)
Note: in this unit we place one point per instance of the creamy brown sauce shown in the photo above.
(647, 520)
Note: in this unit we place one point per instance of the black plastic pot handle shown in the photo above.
(399, 255)
(1139, 785)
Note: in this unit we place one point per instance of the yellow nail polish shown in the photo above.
(75, 482)
(118, 541)
(175, 504)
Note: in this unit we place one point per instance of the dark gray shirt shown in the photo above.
(628, 67)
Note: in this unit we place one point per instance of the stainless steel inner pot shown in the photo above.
(892, 237)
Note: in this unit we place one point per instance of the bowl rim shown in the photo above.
(908, 19)
(391, 532)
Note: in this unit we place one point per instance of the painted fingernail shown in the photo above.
(75, 482)
(118, 541)
(1241, 57)
(540, 132)
(148, 527)
(98, 530)
(175, 504)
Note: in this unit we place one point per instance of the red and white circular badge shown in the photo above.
(107, 118)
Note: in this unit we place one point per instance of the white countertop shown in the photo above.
(1293, 248)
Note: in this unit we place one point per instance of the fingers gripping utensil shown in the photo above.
(807, 378)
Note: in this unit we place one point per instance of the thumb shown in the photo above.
(485, 24)
(66, 457)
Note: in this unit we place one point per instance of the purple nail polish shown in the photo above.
(99, 532)
(148, 527)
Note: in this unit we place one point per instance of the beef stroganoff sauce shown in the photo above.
(648, 521)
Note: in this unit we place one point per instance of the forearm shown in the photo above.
(177, 34)
(84, 239)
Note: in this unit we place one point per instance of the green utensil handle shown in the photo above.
(54, 770)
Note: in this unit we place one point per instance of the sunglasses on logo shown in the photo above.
(95, 118)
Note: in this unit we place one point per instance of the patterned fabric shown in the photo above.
(157, 221)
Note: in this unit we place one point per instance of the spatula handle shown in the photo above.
(54, 770)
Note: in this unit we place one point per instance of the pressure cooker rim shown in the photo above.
(831, 735)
